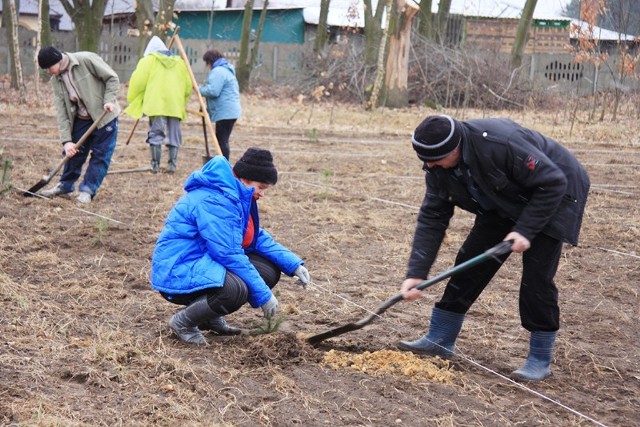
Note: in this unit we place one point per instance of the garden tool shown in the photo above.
(501, 248)
(45, 180)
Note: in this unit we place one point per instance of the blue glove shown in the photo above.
(303, 276)
(270, 307)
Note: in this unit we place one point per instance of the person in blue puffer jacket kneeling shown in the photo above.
(212, 256)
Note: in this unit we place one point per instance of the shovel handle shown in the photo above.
(78, 144)
(497, 250)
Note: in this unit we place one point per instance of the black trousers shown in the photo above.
(234, 293)
(538, 301)
(223, 132)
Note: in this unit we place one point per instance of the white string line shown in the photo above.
(73, 207)
(466, 358)
(616, 252)
(391, 202)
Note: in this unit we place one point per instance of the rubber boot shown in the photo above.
(220, 326)
(173, 158)
(441, 338)
(185, 322)
(156, 154)
(537, 367)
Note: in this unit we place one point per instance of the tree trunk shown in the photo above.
(45, 25)
(36, 72)
(144, 23)
(443, 16)
(243, 70)
(11, 23)
(163, 18)
(397, 69)
(522, 34)
(256, 43)
(372, 30)
(425, 25)
(87, 17)
(322, 33)
(378, 85)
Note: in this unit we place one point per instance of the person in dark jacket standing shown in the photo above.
(522, 186)
(223, 97)
(212, 256)
(83, 86)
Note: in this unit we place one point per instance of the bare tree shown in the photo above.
(378, 84)
(45, 25)
(522, 33)
(249, 51)
(322, 32)
(10, 21)
(397, 67)
(443, 16)
(87, 17)
(372, 30)
(150, 24)
(425, 23)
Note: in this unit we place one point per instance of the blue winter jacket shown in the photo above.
(222, 92)
(202, 237)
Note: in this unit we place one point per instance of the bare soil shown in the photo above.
(84, 339)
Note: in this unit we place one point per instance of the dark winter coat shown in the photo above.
(519, 174)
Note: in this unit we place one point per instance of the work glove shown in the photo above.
(303, 276)
(270, 307)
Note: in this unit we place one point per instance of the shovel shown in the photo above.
(501, 248)
(45, 180)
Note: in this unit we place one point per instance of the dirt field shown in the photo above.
(85, 340)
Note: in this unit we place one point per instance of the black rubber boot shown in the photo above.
(156, 155)
(220, 326)
(185, 322)
(173, 159)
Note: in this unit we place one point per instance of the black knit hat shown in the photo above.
(48, 57)
(436, 137)
(256, 164)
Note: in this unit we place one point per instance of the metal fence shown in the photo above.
(278, 63)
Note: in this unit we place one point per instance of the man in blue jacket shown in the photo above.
(212, 256)
(522, 186)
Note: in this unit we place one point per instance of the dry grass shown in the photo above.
(85, 341)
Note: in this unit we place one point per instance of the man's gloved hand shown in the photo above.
(303, 276)
(270, 307)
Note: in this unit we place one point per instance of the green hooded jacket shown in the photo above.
(159, 86)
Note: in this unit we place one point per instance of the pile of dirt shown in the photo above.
(390, 362)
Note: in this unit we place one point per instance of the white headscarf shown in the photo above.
(155, 45)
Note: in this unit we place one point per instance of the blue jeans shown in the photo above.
(100, 144)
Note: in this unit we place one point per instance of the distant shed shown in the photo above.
(498, 34)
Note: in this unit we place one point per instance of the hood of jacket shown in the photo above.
(155, 45)
(217, 173)
(223, 63)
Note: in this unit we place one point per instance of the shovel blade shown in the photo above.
(349, 327)
(31, 192)
(205, 159)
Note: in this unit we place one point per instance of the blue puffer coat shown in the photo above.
(222, 92)
(202, 237)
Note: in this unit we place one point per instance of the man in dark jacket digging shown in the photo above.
(522, 186)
